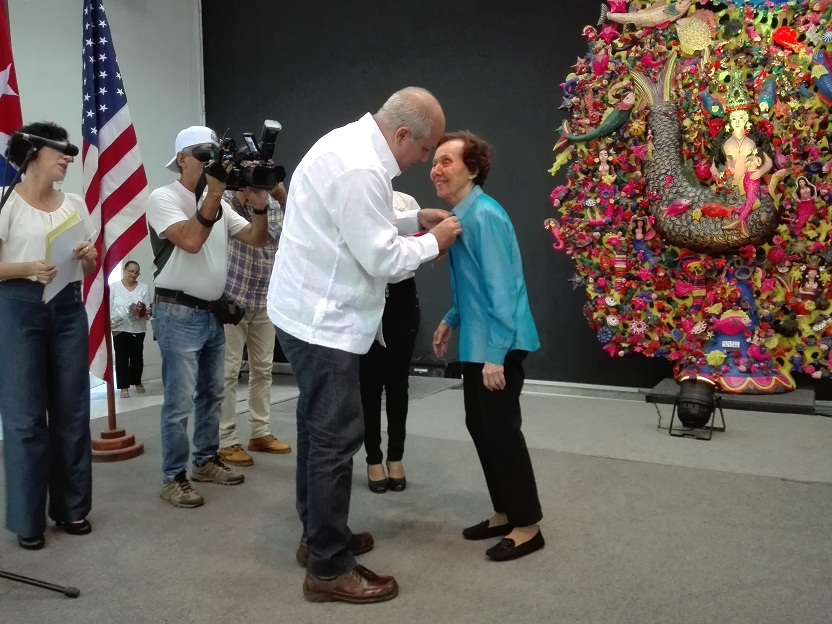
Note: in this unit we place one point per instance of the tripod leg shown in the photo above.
(69, 592)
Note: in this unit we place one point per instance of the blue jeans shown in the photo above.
(330, 431)
(45, 406)
(192, 344)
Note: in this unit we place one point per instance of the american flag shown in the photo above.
(115, 185)
(10, 117)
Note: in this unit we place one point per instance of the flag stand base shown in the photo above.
(116, 445)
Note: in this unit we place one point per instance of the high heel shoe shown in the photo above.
(395, 484)
(378, 487)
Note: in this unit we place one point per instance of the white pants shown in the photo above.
(256, 331)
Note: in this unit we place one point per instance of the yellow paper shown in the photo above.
(60, 243)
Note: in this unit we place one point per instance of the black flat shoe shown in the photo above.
(31, 543)
(506, 550)
(482, 531)
(76, 528)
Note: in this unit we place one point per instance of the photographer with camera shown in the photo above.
(249, 271)
(189, 233)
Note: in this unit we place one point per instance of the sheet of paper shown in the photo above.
(59, 245)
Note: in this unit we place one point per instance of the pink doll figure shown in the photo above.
(755, 168)
(805, 196)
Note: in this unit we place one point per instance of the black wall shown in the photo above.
(495, 68)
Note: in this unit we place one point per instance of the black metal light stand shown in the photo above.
(696, 404)
(69, 592)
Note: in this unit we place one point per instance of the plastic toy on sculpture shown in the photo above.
(696, 202)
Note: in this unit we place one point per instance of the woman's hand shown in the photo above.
(86, 253)
(493, 377)
(44, 273)
(441, 338)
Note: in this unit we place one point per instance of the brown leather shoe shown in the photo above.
(269, 444)
(358, 586)
(234, 455)
(360, 543)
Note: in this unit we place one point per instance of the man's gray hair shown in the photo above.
(412, 107)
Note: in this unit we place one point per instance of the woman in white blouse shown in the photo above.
(44, 383)
(129, 299)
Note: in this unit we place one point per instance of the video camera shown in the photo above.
(262, 175)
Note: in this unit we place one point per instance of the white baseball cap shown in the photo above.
(193, 135)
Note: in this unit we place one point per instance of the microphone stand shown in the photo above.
(69, 592)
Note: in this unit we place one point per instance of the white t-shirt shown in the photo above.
(202, 274)
(341, 241)
(120, 300)
(23, 229)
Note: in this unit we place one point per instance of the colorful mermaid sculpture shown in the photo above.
(669, 186)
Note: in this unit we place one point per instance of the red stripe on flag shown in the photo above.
(123, 195)
(112, 154)
(125, 243)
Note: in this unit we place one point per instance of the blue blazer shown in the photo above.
(490, 303)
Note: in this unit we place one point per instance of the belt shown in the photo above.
(164, 295)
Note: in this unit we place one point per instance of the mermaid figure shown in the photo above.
(754, 170)
(805, 196)
(677, 202)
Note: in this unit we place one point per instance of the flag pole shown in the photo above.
(115, 444)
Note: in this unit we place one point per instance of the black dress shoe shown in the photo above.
(379, 487)
(482, 531)
(76, 528)
(506, 550)
(396, 484)
(31, 543)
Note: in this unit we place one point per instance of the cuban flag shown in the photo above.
(10, 116)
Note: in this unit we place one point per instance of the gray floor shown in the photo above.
(640, 527)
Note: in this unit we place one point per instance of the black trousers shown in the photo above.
(129, 358)
(493, 420)
(387, 369)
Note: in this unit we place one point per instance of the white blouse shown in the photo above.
(23, 229)
(120, 300)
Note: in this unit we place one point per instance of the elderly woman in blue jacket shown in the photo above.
(492, 317)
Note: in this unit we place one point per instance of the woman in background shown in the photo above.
(496, 331)
(387, 369)
(44, 383)
(129, 299)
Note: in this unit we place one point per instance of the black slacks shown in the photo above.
(387, 368)
(493, 420)
(129, 358)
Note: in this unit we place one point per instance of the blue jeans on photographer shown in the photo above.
(192, 344)
(45, 406)
(330, 432)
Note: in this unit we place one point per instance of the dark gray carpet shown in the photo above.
(627, 542)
